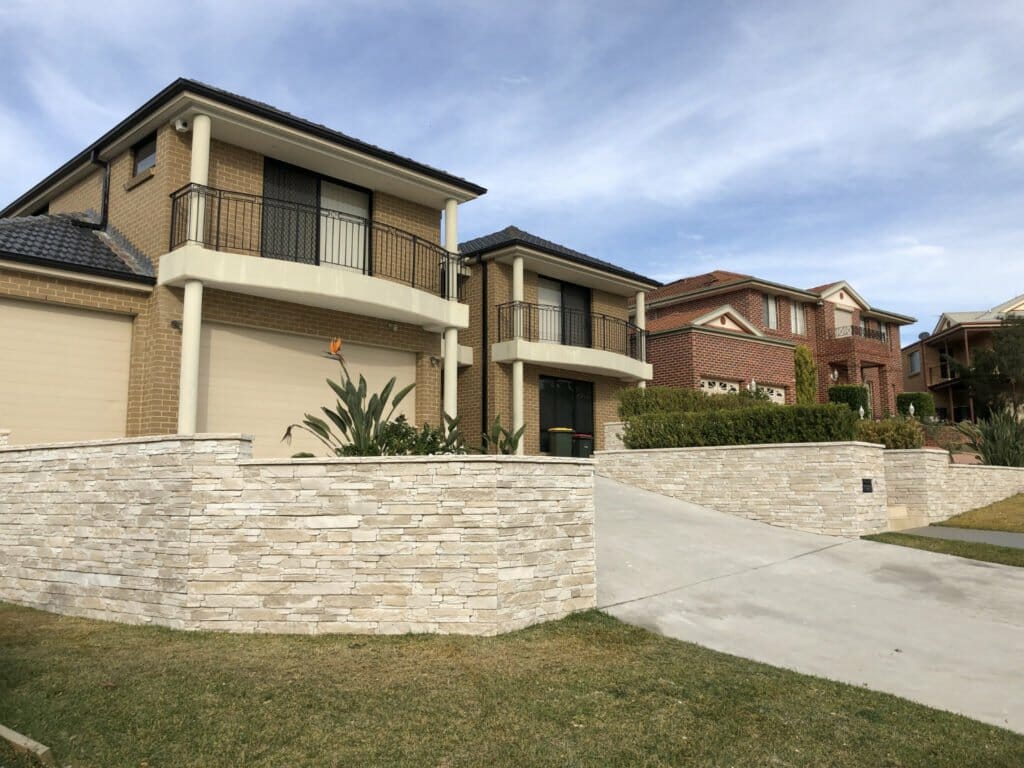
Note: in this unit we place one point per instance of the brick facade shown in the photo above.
(682, 356)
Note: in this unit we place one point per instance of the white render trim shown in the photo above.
(597, 362)
(561, 268)
(845, 286)
(733, 315)
(76, 277)
(316, 286)
(465, 354)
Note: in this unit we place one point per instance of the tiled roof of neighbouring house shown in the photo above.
(66, 241)
(697, 282)
(510, 236)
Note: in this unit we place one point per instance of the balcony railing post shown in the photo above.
(220, 208)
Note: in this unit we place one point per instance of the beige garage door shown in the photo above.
(258, 382)
(63, 372)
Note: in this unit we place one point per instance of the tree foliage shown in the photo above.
(806, 376)
(995, 377)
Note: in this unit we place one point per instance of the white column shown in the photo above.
(517, 295)
(188, 381)
(199, 173)
(451, 372)
(517, 401)
(640, 320)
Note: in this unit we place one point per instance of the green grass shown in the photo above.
(585, 691)
(989, 553)
(1005, 515)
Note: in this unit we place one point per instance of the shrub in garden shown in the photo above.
(852, 395)
(998, 440)
(741, 426)
(635, 401)
(806, 376)
(923, 402)
(892, 433)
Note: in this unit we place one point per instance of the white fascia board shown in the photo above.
(598, 362)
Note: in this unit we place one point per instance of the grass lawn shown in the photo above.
(587, 690)
(1005, 515)
(989, 553)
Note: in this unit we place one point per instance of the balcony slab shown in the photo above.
(324, 286)
(598, 362)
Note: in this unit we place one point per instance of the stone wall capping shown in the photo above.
(197, 438)
(468, 458)
(757, 446)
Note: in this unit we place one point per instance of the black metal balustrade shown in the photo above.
(846, 331)
(277, 229)
(558, 325)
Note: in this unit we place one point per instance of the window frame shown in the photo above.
(136, 157)
(911, 369)
(797, 318)
(771, 312)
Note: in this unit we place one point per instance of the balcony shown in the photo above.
(309, 255)
(587, 342)
(857, 331)
(940, 374)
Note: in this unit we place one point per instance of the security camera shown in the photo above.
(181, 125)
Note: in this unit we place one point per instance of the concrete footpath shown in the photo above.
(944, 631)
(999, 538)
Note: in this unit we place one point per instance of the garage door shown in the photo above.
(258, 382)
(63, 372)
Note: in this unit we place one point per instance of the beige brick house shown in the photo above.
(148, 311)
(183, 274)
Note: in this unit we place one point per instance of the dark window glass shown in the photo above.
(144, 155)
(565, 403)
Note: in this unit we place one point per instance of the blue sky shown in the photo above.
(877, 142)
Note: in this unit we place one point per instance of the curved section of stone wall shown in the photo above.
(190, 532)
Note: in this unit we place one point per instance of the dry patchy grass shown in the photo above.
(1005, 515)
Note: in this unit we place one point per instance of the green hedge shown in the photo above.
(924, 404)
(634, 401)
(852, 395)
(741, 426)
(892, 433)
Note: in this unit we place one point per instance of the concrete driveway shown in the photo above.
(941, 630)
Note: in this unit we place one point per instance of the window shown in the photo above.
(563, 312)
(565, 403)
(914, 362)
(771, 312)
(796, 318)
(144, 155)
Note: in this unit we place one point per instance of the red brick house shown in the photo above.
(721, 331)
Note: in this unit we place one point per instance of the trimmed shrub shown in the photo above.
(851, 395)
(636, 402)
(806, 376)
(924, 404)
(741, 426)
(892, 433)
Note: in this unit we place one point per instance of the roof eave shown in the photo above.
(498, 249)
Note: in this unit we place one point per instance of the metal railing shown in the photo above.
(557, 325)
(277, 229)
(846, 331)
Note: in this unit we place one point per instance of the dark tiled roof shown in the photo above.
(510, 236)
(184, 85)
(683, 285)
(65, 241)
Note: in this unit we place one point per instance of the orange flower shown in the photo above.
(335, 346)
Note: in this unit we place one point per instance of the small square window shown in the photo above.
(144, 155)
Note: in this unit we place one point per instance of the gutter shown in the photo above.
(80, 268)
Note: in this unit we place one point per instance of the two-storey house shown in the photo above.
(723, 331)
(185, 272)
(224, 242)
(930, 363)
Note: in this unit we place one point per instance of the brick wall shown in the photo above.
(188, 533)
(682, 358)
(86, 195)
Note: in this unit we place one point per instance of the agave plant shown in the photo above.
(357, 424)
(500, 438)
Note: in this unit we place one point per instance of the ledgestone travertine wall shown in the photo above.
(924, 487)
(189, 532)
(815, 487)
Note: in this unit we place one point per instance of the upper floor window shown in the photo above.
(796, 318)
(914, 362)
(771, 311)
(144, 155)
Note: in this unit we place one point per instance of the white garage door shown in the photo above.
(63, 372)
(258, 382)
